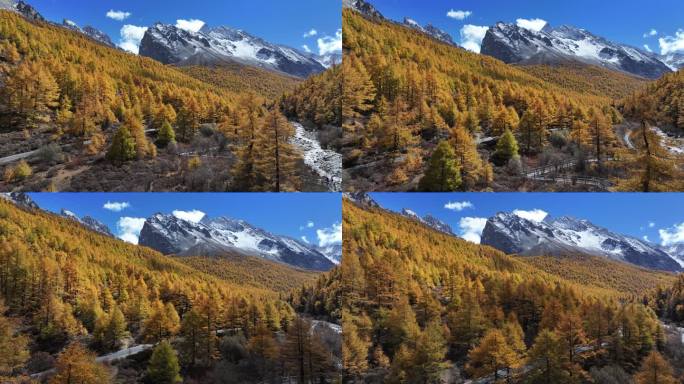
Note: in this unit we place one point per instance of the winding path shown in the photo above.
(326, 163)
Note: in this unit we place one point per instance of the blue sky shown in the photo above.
(283, 22)
(317, 216)
(630, 21)
(659, 216)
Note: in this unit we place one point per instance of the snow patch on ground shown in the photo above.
(326, 163)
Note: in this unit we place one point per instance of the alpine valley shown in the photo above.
(214, 109)
(547, 108)
(193, 301)
(558, 300)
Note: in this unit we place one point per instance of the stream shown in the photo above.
(326, 163)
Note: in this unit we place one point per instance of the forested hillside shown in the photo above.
(427, 116)
(241, 78)
(77, 115)
(420, 305)
(69, 294)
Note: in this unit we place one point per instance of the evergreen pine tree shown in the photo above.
(444, 171)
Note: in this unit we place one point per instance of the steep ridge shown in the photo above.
(513, 44)
(89, 31)
(565, 236)
(215, 45)
(221, 235)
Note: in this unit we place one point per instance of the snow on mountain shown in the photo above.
(513, 44)
(89, 31)
(673, 60)
(215, 236)
(20, 199)
(676, 251)
(23, 8)
(88, 222)
(566, 236)
(361, 198)
(171, 45)
(430, 30)
(332, 252)
(428, 220)
(363, 7)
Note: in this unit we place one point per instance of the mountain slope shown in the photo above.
(430, 30)
(171, 45)
(513, 44)
(587, 78)
(88, 222)
(428, 220)
(565, 236)
(236, 77)
(89, 31)
(218, 236)
(22, 8)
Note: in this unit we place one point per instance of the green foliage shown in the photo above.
(166, 135)
(506, 148)
(163, 366)
(444, 171)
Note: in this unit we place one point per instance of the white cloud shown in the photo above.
(309, 224)
(669, 44)
(471, 228)
(192, 25)
(458, 206)
(673, 235)
(651, 224)
(646, 47)
(193, 216)
(458, 15)
(116, 206)
(118, 15)
(129, 228)
(646, 238)
(130, 37)
(311, 33)
(329, 44)
(533, 215)
(306, 48)
(304, 239)
(329, 236)
(650, 33)
(531, 24)
(471, 37)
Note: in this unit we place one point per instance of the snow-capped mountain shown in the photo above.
(566, 236)
(20, 199)
(221, 235)
(363, 7)
(513, 44)
(171, 45)
(676, 251)
(361, 198)
(89, 31)
(428, 220)
(88, 222)
(332, 252)
(23, 8)
(430, 30)
(673, 60)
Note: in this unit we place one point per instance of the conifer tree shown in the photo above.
(163, 366)
(358, 92)
(76, 364)
(166, 135)
(277, 159)
(506, 148)
(123, 146)
(491, 355)
(13, 346)
(655, 370)
(444, 171)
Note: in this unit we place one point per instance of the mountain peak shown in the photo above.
(566, 236)
(214, 45)
(226, 236)
(514, 44)
(363, 7)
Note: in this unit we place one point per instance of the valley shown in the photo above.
(190, 112)
(534, 110)
(107, 308)
(425, 305)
